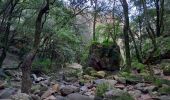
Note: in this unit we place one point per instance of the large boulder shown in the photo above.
(104, 56)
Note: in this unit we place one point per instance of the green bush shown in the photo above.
(43, 65)
(137, 65)
(164, 90)
(101, 89)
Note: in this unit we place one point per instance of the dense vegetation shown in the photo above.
(111, 45)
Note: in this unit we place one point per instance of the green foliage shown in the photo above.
(43, 65)
(125, 96)
(163, 45)
(137, 65)
(164, 90)
(101, 89)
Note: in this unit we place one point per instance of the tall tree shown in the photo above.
(7, 15)
(126, 33)
(26, 65)
(94, 20)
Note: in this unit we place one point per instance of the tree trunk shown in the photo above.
(94, 20)
(135, 46)
(5, 39)
(157, 18)
(26, 66)
(162, 16)
(126, 36)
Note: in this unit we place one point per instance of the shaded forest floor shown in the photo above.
(74, 83)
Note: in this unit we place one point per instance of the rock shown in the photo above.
(37, 88)
(68, 90)
(117, 94)
(146, 97)
(150, 88)
(74, 65)
(35, 97)
(120, 86)
(47, 94)
(164, 97)
(2, 84)
(71, 79)
(51, 98)
(20, 96)
(88, 77)
(136, 93)
(84, 88)
(77, 96)
(141, 86)
(101, 81)
(6, 93)
(111, 82)
(55, 87)
(61, 98)
(99, 74)
(104, 57)
(120, 79)
(157, 71)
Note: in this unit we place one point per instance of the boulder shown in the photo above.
(117, 94)
(6, 93)
(77, 96)
(68, 90)
(101, 81)
(99, 74)
(20, 96)
(164, 97)
(104, 57)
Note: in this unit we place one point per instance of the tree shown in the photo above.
(26, 65)
(94, 20)
(126, 33)
(5, 26)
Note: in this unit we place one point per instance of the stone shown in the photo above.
(135, 93)
(37, 88)
(101, 81)
(7, 92)
(84, 88)
(100, 74)
(35, 97)
(120, 79)
(51, 98)
(104, 57)
(47, 94)
(74, 65)
(2, 84)
(55, 87)
(117, 94)
(140, 86)
(77, 96)
(21, 96)
(150, 88)
(68, 90)
(164, 97)
(58, 97)
(120, 86)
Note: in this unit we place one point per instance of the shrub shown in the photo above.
(43, 65)
(101, 89)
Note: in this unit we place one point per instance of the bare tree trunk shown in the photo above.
(26, 65)
(126, 36)
(162, 16)
(5, 39)
(135, 46)
(94, 20)
(157, 4)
